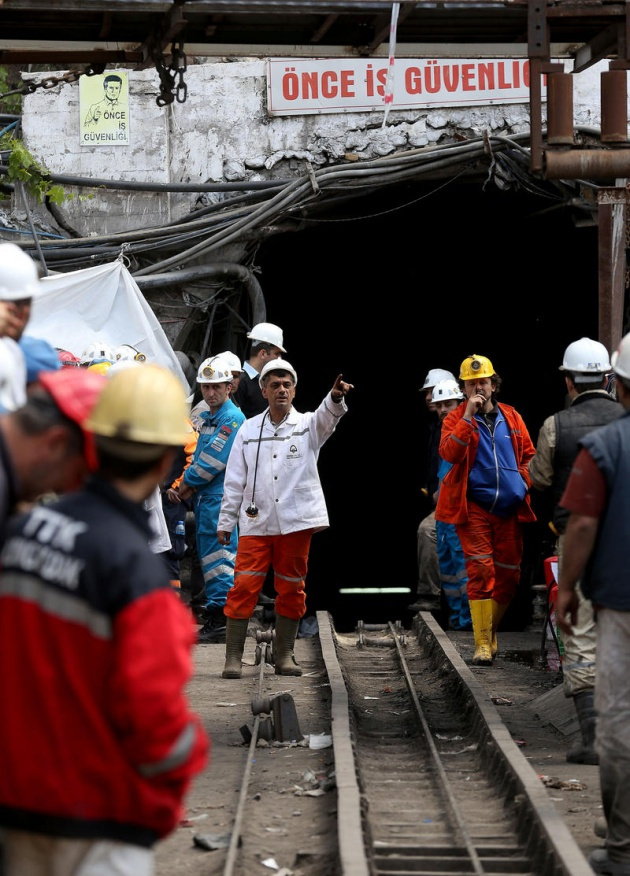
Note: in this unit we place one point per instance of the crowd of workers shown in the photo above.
(101, 463)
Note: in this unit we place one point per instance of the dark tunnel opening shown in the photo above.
(386, 294)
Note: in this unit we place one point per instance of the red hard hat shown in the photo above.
(75, 391)
(67, 358)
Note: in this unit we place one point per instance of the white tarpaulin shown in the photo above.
(104, 304)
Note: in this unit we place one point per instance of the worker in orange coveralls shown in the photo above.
(486, 496)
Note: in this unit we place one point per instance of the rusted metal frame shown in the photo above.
(587, 10)
(173, 23)
(63, 57)
(613, 218)
(603, 44)
(538, 53)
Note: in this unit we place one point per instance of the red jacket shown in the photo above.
(97, 740)
(458, 446)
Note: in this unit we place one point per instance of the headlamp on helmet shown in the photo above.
(214, 370)
(476, 368)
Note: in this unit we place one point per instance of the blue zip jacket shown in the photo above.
(207, 469)
(495, 482)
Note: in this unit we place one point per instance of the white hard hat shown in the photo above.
(621, 358)
(126, 351)
(446, 390)
(234, 361)
(277, 365)
(269, 333)
(586, 357)
(18, 274)
(216, 369)
(97, 351)
(434, 376)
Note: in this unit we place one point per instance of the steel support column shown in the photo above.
(613, 217)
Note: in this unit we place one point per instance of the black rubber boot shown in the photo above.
(234, 646)
(286, 632)
(584, 751)
(213, 630)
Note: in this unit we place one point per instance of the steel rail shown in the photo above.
(437, 760)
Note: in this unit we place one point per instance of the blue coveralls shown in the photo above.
(205, 475)
(453, 575)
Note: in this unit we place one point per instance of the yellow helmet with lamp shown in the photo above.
(476, 368)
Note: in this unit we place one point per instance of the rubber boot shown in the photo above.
(498, 610)
(584, 751)
(234, 646)
(481, 613)
(286, 631)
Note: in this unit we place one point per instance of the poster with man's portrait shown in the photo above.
(104, 108)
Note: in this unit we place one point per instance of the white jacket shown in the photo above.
(289, 494)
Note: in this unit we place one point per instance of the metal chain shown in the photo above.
(172, 85)
(53, 81)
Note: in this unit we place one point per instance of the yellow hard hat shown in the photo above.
(143, 405)
(475, 367)
(100, 367)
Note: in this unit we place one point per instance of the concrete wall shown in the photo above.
(223, 133)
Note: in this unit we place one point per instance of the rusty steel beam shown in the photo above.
(605, 164)
(612, 222)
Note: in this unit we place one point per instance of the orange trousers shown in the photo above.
(288, 554)
(493, 549)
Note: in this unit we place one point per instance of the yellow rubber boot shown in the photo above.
(235, 635)
(286, 631)
(498, 610)
(481, 614)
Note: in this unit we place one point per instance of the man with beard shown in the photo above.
(486, 496)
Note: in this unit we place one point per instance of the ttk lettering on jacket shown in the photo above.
(53, 535)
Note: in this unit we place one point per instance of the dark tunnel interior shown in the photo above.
(386, 293)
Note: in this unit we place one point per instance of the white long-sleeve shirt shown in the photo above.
(289, 494)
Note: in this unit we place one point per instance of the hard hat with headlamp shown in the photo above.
(126, 351)
(268, 333)
(216, 369)
(586, 357)
(19, 277)
(446, 390)
(434, 376)
(476, 368)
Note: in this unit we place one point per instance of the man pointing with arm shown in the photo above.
(272, 491)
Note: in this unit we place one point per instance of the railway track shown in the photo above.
(428, 778)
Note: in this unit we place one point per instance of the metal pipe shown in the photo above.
(607, 164)
(614, 96)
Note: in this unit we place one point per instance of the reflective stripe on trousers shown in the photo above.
(217, 561)
(493, 548)
(288, 554)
